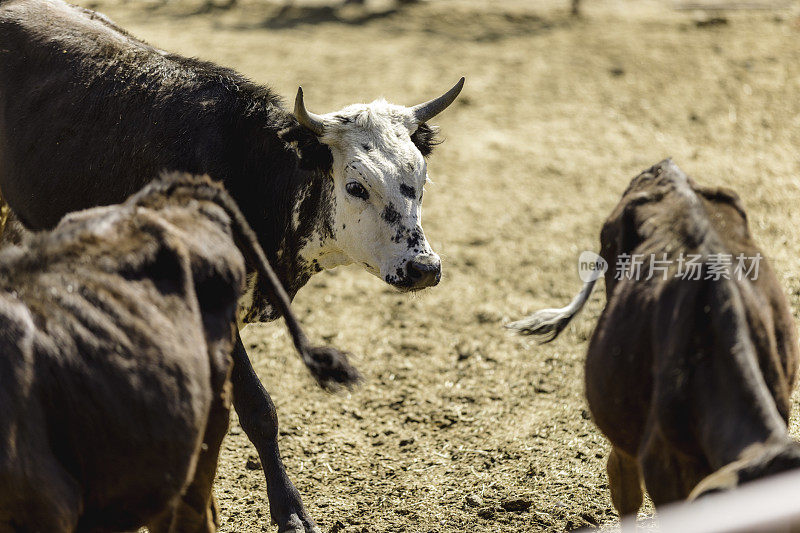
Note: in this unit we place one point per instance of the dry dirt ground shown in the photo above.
(459, 425)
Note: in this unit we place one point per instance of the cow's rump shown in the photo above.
(118, 328)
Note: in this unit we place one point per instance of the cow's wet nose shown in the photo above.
(424, 271)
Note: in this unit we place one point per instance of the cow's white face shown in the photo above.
(378, 178)
(375, 199)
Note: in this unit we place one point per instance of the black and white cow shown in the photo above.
(89, 114)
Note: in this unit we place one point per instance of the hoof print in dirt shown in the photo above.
(517, 505)
(253, 463)
(487, 513)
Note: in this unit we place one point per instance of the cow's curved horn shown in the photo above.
(309, 120)
(428, 110)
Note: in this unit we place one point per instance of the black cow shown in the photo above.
(88, 113)
(118, 328)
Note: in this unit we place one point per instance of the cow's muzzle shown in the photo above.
(423, 271)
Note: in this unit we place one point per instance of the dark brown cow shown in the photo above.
(117, 330)
(686, 377)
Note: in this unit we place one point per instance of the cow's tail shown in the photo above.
(547, 324)
(329, 366)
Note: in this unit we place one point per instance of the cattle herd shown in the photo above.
(161, 202)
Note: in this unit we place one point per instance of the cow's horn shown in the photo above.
(428, 110)
(309, 120)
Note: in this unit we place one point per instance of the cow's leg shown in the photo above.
(36, 494)
(259, 419)
(669, 475)
(625, 484)
(197, 511)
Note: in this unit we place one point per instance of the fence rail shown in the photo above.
(769, 505)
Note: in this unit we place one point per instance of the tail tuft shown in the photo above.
(546, 324)
(330, 367)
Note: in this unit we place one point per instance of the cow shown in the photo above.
(88, 113)
(118, 328)
(688, 376)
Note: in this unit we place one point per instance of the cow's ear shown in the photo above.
(313, 154)
(620, 233)
(425, 139)
(628, 237)
(725, 196)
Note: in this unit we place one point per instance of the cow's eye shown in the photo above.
(354, 188)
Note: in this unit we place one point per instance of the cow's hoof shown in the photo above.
(295, 524)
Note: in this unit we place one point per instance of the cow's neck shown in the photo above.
(308, 244)
(291, 210)
(312, 237)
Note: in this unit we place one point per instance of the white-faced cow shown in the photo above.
(691, 368)
(89, 114)
(119, 326)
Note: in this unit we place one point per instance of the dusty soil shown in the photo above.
(461, 426)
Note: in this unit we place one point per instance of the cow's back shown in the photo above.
(89, 114)
(128, 353)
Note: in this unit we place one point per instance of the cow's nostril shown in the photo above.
(417, 270)
(424, 271)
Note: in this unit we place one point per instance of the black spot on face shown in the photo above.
(390, 214)
(343, 120)
(366, 147)
(408, 191)
(398, 235)
(413, 238)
